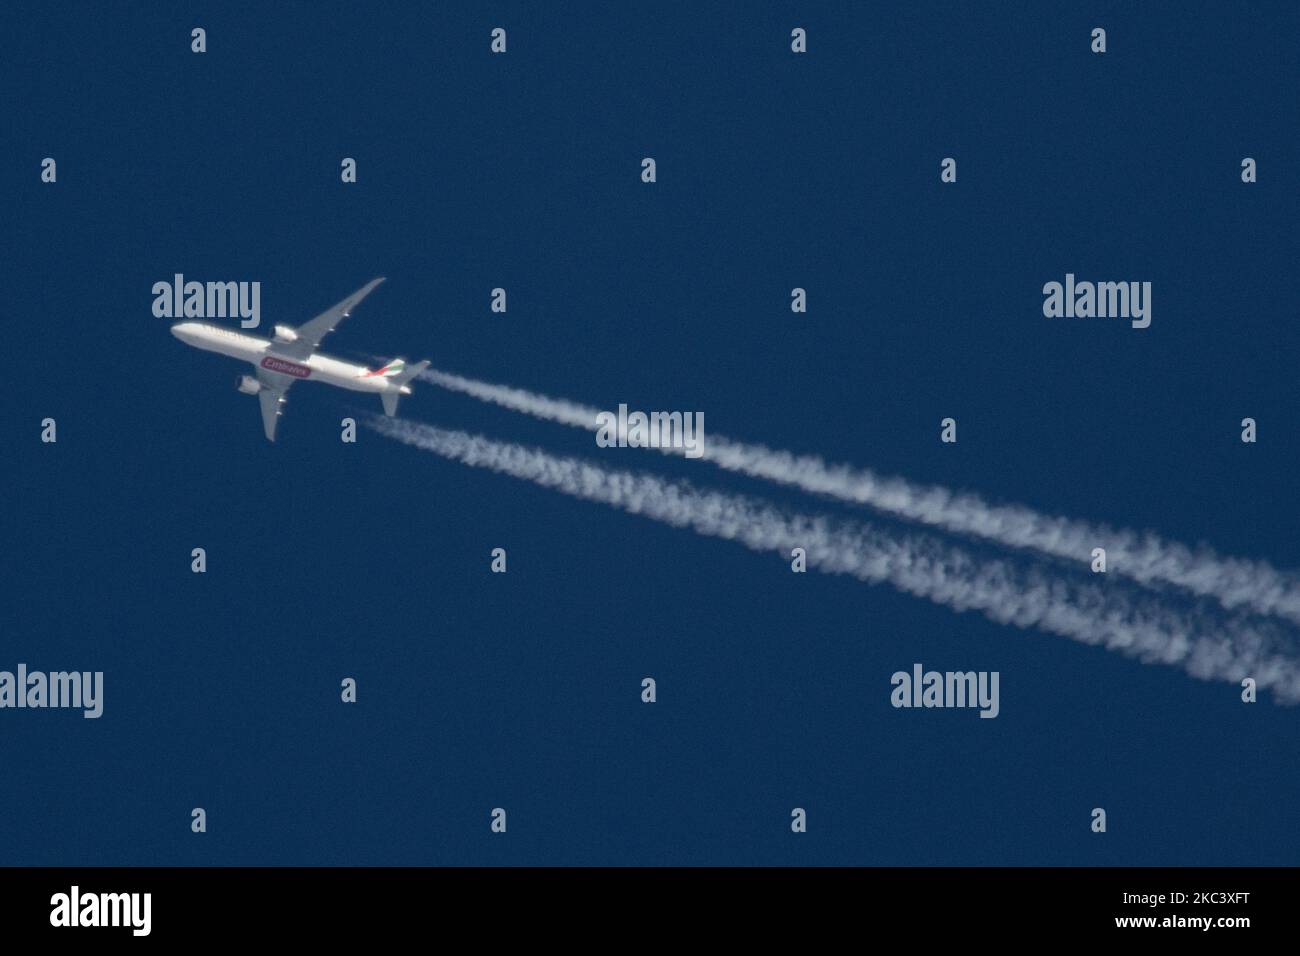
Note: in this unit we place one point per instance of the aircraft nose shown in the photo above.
(182, 330)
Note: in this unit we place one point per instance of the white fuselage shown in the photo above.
(262, 353)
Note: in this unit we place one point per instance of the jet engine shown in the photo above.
(285, 333)
(248, 385)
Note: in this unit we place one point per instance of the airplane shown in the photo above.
(291, 356)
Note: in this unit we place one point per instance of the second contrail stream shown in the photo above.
(1224, 647)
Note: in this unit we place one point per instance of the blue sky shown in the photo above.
(522, 171)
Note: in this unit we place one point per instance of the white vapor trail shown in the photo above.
(1225, 647)
(1146, 558)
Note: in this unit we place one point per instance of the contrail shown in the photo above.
(1227, 647)
(1146, 558)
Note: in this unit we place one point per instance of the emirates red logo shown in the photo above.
(273, 364)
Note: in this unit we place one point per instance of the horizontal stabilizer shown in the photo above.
(398, 374)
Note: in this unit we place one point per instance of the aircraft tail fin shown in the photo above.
(400, 373)
(408, 372)
(390, 369)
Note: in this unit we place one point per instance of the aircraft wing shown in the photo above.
(271, 402)
(309, 334)
(271, 398)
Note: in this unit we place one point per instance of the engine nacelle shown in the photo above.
(285, 333)
(249, 385)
